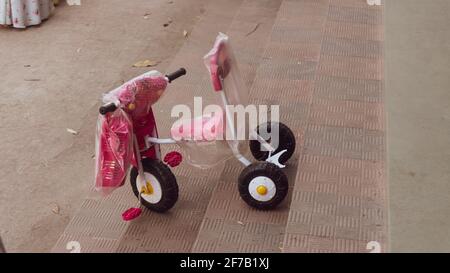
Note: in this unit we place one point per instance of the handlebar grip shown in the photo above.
(111, 107)
(175, 75)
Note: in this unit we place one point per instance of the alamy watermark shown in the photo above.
(228, 122)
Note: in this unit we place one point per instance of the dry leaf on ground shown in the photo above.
(55, 208)
(146, 63)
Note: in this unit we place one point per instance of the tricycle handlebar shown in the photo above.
(175, 75)
(110, 107)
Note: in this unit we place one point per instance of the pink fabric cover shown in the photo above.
(143, 93)
(115, 152)
(202, 128)
(136, 98)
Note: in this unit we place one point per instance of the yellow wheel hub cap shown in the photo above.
(262, 190)
(147, 189)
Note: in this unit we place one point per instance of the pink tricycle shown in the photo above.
(127, 137)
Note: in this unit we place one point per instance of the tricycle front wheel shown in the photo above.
(158, 189)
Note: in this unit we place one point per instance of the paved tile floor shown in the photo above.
(326, 58)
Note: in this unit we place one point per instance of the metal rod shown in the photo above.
(161, 140)
(230, 126)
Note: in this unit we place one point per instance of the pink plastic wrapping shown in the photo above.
(228, 85)
(115, 131)
(114, 150)
(221, 64)
(137, 95)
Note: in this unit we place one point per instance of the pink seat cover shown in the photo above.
(203, 128)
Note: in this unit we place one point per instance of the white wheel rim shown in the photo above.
(265, 182)
(156, 196)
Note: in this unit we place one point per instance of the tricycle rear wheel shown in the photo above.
(286, 142)
(263, 185)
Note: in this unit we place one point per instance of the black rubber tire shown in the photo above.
(287, 142)
(167, 180)
(268, 170)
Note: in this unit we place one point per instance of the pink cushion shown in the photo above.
(202, 128)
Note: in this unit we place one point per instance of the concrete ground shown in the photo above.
(418, 97)
(52, 79)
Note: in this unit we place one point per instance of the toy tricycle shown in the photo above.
(127, 135)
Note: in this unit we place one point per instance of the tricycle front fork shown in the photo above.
(138, 158)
